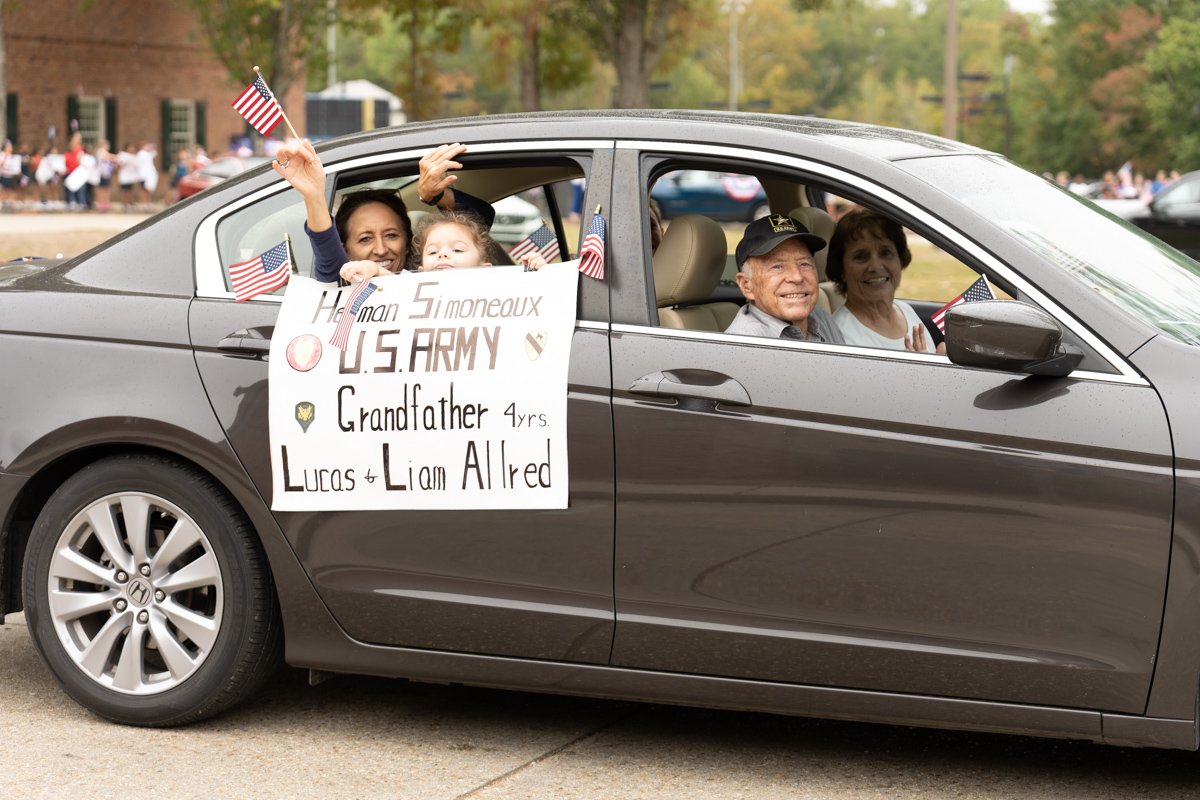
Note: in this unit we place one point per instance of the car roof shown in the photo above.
(871, 141)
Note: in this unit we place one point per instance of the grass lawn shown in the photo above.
(934, 274)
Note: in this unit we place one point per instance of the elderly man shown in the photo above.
(778, 276)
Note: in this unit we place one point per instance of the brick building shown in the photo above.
(129, 71)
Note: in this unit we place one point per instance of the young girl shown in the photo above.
(446, 239)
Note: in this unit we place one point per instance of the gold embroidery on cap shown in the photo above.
(780, 223)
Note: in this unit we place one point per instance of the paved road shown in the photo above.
(372, 737)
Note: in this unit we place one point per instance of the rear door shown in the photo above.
(519, 583)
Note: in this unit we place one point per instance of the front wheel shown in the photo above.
(148, 595)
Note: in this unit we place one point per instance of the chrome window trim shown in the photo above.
(853, 351)
(210, 281)
(833, 173)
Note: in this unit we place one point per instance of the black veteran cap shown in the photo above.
(765, 234)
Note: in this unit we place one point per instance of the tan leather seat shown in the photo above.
(819, 222)
(687, 266)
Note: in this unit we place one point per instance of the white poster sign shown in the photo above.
(451, 392)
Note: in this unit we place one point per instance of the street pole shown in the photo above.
(733, 8)
(1008, 68)
(950, 73)
(734, 56)
(331, 41)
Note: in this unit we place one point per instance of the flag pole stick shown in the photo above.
(287, 241)
(286, 121)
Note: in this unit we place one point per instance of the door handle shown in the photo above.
(247, 342)
(692, 384)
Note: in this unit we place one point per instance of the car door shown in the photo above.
(516, 582)
(842, 517)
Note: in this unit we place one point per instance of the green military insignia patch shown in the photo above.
(305, 413)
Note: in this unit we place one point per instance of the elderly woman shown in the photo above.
(867, 254)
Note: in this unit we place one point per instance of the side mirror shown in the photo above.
(1010, 336)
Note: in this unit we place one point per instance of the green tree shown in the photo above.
(429, 28)
(1089, 110)
(1173, 96)
(277, 35)
(537, 42)
(633, 34)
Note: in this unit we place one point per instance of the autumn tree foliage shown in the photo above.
(277, 35)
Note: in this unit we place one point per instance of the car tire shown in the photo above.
(761, 210)
(147, 593)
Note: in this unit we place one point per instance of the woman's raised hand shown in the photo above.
(915, 342)
(300, 166)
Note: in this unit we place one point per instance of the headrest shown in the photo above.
(689, 260)
(820, 223)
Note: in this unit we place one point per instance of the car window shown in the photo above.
(1184, 192)
(524, 195)
(695, 271)
(259, 226)
(933, 278)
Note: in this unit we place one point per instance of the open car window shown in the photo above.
(255, 228)
(694, 268)
(524, 194)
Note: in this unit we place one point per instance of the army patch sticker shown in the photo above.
(305, 413)
(535, 343)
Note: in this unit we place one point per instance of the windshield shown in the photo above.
(1145, 277)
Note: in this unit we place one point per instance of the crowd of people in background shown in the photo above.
(83, 178)
(1120, 184)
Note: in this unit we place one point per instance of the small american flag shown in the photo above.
(979, 290)
(259, 106)
(591, 255)
(542, 240)
(341, 334)
(263, 273)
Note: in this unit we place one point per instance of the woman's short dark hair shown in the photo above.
(851, 226)
(356, 200)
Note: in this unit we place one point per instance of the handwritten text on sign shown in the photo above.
(451, 393)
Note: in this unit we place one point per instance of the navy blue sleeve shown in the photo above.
(328, 254)
(481, 208)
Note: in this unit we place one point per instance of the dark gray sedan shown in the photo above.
(1004, 539)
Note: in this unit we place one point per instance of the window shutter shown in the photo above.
(165, 151)
(110, 123)
(202, 124)
(10, 118)
(72, 116)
